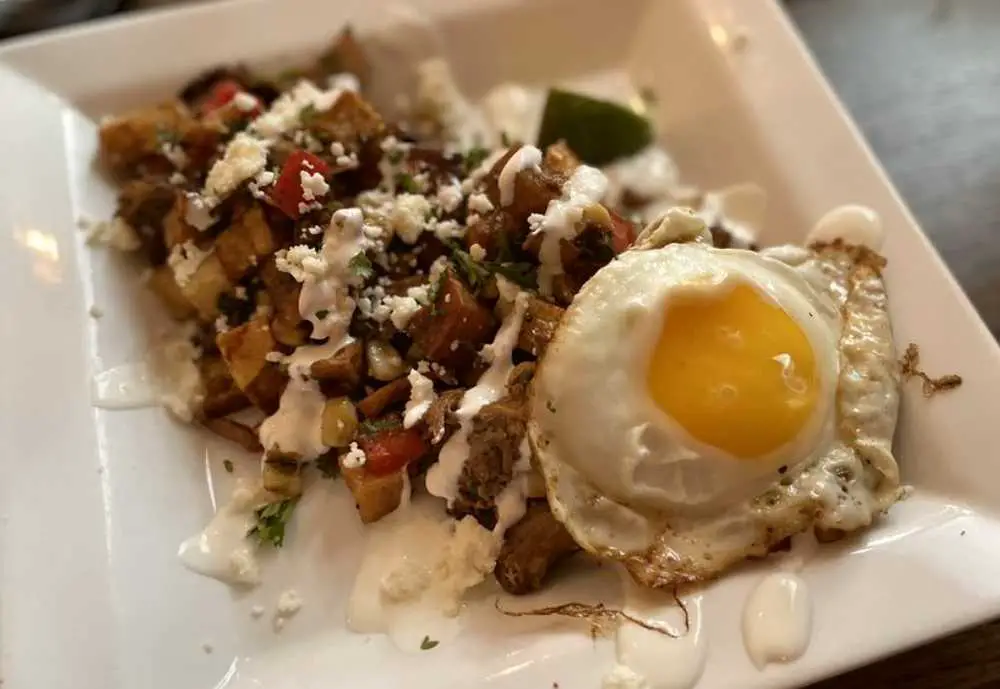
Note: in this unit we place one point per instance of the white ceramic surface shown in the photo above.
(94, 502)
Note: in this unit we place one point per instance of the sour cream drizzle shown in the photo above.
(524, 158)
(777, 619)
(442, 478)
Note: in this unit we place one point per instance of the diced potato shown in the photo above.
(452, 332)
(222, 396)
(205, 286)
(245, 349)
(244, 243)
(282, 475)
(175, 228)
(162, 283)
(375, 496)
(134, 138)
(343, 370)
(391, 393)
(340, 422)
(560, 159)
(283, 292)
(350, 121)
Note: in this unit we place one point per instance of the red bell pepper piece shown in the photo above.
(392, 449)
(287, 191)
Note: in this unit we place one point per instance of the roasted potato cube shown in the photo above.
(395, 392)
(244, 243)
(205, 286)
(343, 370)
(375, 496)
(283, 291)
(454, 328)
(245, 349)
(161, 281)
(175, 228)
(351, 121)
(340, 422)
(541, 318)
(530, 550)
(560, 159)
(282, 475)
(222, 396)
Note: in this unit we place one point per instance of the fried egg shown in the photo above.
(697, 405)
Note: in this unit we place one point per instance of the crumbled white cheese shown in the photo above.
(355, 457)
(409, 216)
(184, 259)
(402, 310)
(274, 357)
(245, 157)
(449, 196)
(245, 102)
(421, 397)
(524, 158)
(289, 604)
(313, 185)
(623, 677)
(198, 212)
(177, 178)
(347, 161)
(285, 112)
(477, 252)
(337, 149)
(257, 611)
(116, 234)
(480, 203)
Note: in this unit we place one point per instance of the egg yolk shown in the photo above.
(734, 370)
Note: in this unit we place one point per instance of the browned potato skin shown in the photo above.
(222, 396)
(161, 282)
(375, 496)
(283, 291)
(560, 159)
(541, 318)
(456, 316)
(351, 121)
(391, 393)
(131, 145)
(245, 350)
(205, 286)
(245, 243)
(342, 372)
(531, 548)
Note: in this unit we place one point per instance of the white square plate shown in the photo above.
(94, 502)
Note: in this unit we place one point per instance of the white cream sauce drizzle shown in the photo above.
(661, 661)
(524, 158)
(129, 386)
(777, 616)
(853, 224)
(511, 503)
(296, 428)
(587, 186)
(777, 619)
(329, 293)
(222, 550)
(442, 478)
(417, 565)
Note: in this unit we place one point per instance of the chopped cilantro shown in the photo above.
(428, 643)
(407, 183)
(395, 156)
(372, 426)
(361, 265)
(504, 139)
(307, 114)
(327, 465)
(475, 274)
(521, 274)
(271, 521)
(475, 157)
(227, 464)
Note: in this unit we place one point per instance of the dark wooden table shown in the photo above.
(922, 79)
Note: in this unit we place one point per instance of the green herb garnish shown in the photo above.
(407, 183)
(521, 274)
(271, 521)
(597, 131)
(307, 114)
(475, 274)
(428, 643)
(361, 265)
(504, 139)
(474, 157)
(395, 156)
(227, 464)
(373, 426)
